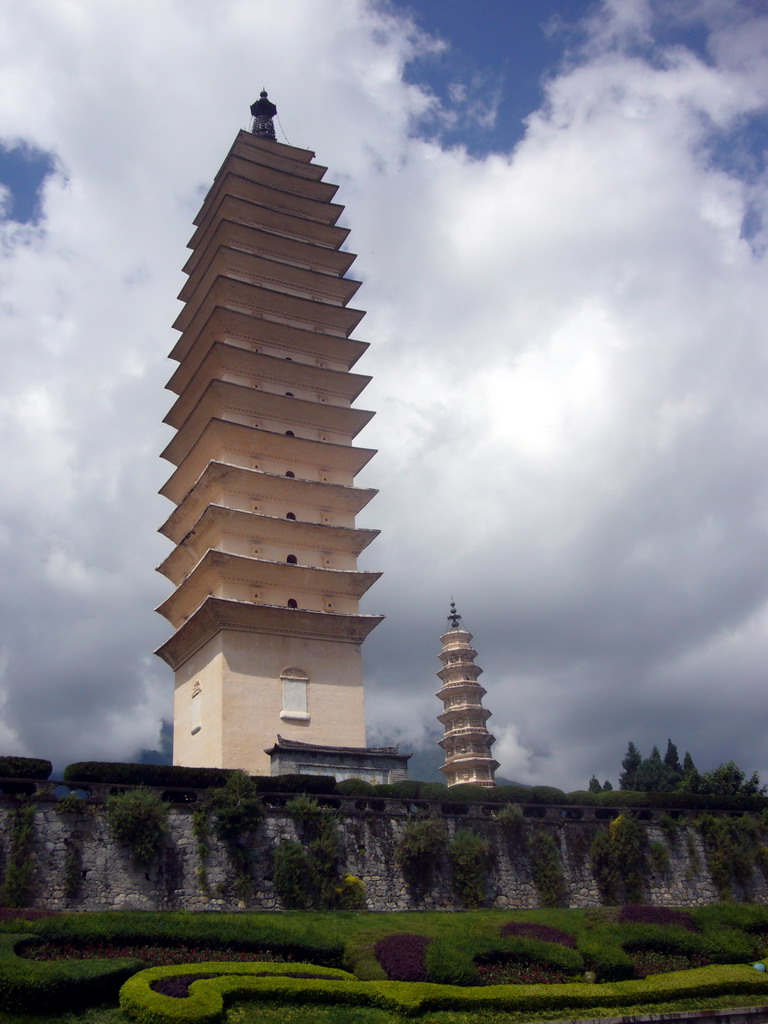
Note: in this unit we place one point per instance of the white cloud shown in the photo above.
(9, 739)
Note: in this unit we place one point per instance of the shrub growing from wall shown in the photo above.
(629, 840)
(604, 870)
(511, 821)
(547, 869)
(468, 856)
(619, 862)
(138, 818)
(202, 845)
(17, 882)
(420, 848)
(659, 854)
(324, 851)
(73, 873)
(72, 808)
(292, 875)
(306, 873)
(733, 848)
(71, 804)
(237, 811)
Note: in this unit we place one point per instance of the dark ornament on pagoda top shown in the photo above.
(262, 112)
(453, 616)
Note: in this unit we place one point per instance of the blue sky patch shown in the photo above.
(23, 170)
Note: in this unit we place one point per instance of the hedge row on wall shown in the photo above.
(176, 776)
(25, 768)
(120, 773)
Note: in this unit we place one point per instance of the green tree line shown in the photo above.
(657, 774)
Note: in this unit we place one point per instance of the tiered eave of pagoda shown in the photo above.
(303, 500)
(218, 614)
(240, 325)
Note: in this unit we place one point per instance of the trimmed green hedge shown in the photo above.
(208, 997)
(179, 776)
(280, 934)
(510, 794)
(355, 787)
(453, 959)
(119, 773)
(681, 801)
(205, 1003)
(126, 774)
(25, 768)
(30, 986)
(407, 789)
(582, 798)
(747, 917)
(723, 946)
(604, 955)
(467, 793)
(316, 785)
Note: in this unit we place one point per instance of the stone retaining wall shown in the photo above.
(65, 844)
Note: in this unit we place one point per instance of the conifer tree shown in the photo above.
(653, 776)
(632, 761)
(690, 781)
(671, 758)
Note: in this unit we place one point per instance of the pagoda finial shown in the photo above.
(262, 112)
(453, 616)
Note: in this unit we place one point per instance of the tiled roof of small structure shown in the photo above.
(284, 744)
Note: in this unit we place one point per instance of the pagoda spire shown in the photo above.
(466, 740)
(262, 112)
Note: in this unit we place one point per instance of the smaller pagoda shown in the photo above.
(466, 741)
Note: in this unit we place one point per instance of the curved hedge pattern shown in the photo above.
(208, 997)
(29, 986)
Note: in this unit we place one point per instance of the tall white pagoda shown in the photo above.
(466, 740)
(265, 607)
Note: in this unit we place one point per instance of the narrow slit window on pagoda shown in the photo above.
(292, 602)
(292, 560)
(291, 515)
(196, 708)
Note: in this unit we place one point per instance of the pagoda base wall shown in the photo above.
(229, 699)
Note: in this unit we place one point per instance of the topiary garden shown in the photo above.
(480, 964)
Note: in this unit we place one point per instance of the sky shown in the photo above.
(559, 210)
